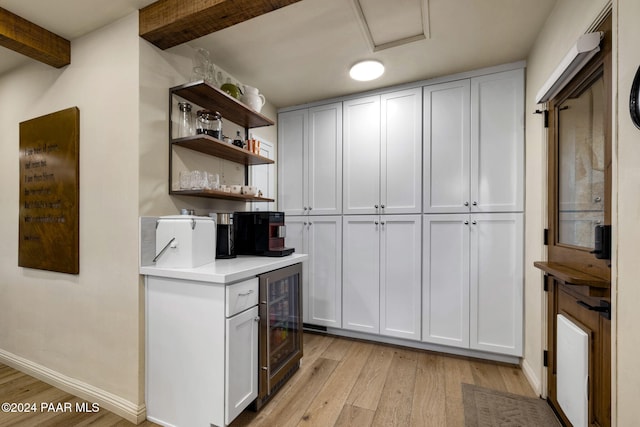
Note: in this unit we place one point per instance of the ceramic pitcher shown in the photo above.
(252, 98)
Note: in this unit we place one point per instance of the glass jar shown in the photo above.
(210, 123)
(185, 120)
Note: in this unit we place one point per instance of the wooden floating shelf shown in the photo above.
(212, 98)
(215, 194)
(209, 145)
(570, 276)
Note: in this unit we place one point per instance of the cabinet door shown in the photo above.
(361, 191)
(496, 283)
(446, 147)
(360, 276)
(497, 142)
(297, 239)
(292, 147)
(241, 376)
(325, 271)
(325, 160)
(401, 152)
(445, 293)
(400, 280)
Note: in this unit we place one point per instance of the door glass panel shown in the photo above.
(283, 321)
(581, 165)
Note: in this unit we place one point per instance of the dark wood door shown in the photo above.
(579, 178)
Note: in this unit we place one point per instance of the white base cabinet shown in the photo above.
(321, 238)
(381, 274)
(201, 360)
(473, 281)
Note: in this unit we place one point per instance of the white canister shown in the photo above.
(185, 241)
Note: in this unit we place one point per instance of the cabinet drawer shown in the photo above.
(241, 296)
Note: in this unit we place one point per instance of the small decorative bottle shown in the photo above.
(185, 120)
(238, 141)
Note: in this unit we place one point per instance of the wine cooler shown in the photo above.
(280, 339)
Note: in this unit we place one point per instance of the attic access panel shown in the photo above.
(388, 24)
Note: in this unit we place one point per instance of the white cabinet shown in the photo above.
(201, 350)
(321, 238)
(445, 293)
(382, 153)
(241, 379)
(310, 160)
(496, 297)
(474, 144)
(472, 282)
(497, 142)
(292, 139)
(447, 147)
(381, 274)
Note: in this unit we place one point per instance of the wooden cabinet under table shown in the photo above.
(582, 301)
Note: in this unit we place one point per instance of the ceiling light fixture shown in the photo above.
(366, 70)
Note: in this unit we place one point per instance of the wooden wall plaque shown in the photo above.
(49, 192)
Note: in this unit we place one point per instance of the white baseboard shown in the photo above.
(513, 360)
(533, 379)
(109, 401)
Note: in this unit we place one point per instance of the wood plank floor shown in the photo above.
(344, 382)
(341, 382)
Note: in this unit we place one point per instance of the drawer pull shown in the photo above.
(249, 292)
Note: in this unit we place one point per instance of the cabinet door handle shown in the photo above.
(375, 222)
(305, 208)
(304, 223)
(475, 203)
(474, 222)
(382, 206)
(249, 292)
(381, 222)
(257, 318)
(466, 203)
(310, 208)
(466, 223)
(310, 223)
(375, 206)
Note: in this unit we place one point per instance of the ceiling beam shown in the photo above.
(29, 39)
(168, 23)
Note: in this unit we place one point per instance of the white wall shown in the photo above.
(626, 385)
(568, 20)
(82, 329)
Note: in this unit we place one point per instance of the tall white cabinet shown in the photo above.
(310, 160)
(473, 243)
(381, 278)
(382, 153)
(410, 204)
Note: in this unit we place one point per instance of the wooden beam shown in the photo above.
(29, 39)
(168, 23)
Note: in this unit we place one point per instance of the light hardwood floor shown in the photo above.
(341, 382)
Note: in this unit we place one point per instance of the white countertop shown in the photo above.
(225, 271)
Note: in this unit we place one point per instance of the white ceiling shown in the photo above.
(302, 52)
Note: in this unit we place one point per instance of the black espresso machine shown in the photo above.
(260, 233)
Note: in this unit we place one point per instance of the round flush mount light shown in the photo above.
(366, 70)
